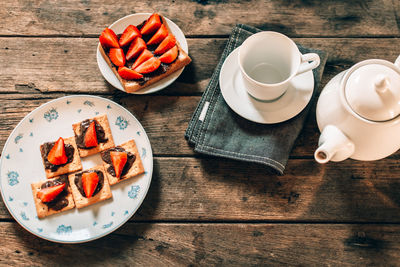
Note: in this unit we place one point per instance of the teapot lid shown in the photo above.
(373, 91)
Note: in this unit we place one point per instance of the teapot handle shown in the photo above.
(397, 62)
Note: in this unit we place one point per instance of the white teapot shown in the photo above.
(358, 113)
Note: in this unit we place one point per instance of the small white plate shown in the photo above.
(21, 164)
(118, 27)
(286, 107)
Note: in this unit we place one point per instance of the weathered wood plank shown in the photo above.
(199, 17)
(197, 189)
(69, 64)
(396, 5)
(165, 119)
(44, 65)
(210, 189)
(212, 244)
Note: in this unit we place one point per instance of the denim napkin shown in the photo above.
(217, 130)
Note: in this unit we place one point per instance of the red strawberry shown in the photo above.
(145, 55)
(129, 74)
(136, 47)
(130, 33)
(57, 154)
(89, 183)
(149, 66)
(118, 160)
(158, 36)
(169, 56)
(108, 38)
(151, 25)
(117, 56)
(166, 44)
(49, 193)
(90, 139)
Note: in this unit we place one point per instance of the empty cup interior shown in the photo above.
(269, 58)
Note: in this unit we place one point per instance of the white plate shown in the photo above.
(118, 27)
(286, 107)
(21, 164)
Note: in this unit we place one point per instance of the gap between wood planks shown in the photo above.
(233, 222)
(208, 36)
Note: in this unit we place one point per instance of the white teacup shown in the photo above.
(268, 61)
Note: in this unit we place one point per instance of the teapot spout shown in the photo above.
(334, 145)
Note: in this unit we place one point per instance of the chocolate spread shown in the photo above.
(45, 150)
(140, 26)
(61, 200)
(105, 155)
(162, 69)
(80, 139)
(78, 182)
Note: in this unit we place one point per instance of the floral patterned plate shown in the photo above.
(21, 164)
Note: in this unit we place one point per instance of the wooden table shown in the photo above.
(202, 210)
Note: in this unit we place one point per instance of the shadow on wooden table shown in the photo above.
(354, 204)
(257, 193)
(359, 192)
(364, 200)
(346, 192)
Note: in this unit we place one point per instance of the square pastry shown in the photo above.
(52, 196)
(133, 164)
(93, 135)
(83, 184)
(73, 161)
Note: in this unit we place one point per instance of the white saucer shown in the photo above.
(118, 27)
(286, 107)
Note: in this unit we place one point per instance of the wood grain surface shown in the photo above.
(171, 244)
(201, 210)
(206, 189)
(205, 17)
(68, 65)
(162, 117)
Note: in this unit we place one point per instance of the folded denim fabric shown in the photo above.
(217, 130)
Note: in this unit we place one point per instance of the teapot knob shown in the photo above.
(381, 84)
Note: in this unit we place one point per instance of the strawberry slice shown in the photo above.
(50, 193)
(90, 139)
(117, 56)
(108, 38)
(89, 183)
(136, 47)
(129, 74)
(158, 36)
(145, 55)
(170, 55)
(149, 66)
(118, 160)
(130, 33)
(151, 25)
(57, 155)
(166, 44)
